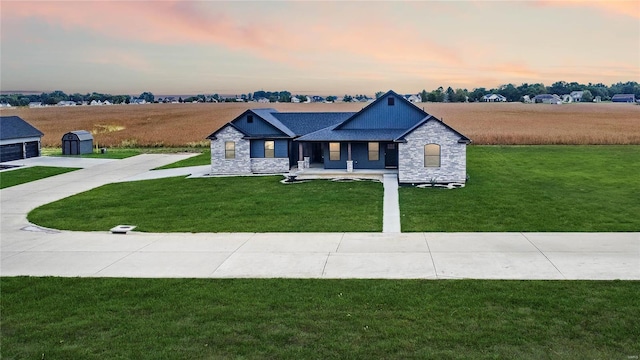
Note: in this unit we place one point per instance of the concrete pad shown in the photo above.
(292, 242)
(383, 243)
(93, 242)
(589, 242)
(391, 204)
(380, 266)
(275, 265)
(494, 265)
(59, 161)
(474, 242)
(596, 265)
(7, 254)
(165, 264)
(189, 242)
(58, 263)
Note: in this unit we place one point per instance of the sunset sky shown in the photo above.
(313, 47)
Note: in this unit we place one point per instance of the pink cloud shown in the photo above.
(629, 8)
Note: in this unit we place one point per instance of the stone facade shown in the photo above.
(453, 156)
(241, 164)
(269, 165)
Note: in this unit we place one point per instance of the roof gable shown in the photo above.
(213, 135)
(389, 111)
(80, 134)
(261, 123)
(14, 127)
(463, 139)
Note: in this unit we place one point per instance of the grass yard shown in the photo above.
(238, 204)
(99, 318)
(534, 188)
(202, 159)
(21, 176)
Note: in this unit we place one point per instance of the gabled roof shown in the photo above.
(381, 98)
(81, 134)
(305, 123)
(14, 127)
(213, 135)
(267, 115)
(463, 139)
(623, 96)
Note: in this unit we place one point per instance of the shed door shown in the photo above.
(391, 156)
(71, 147)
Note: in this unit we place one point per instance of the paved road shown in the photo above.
(28, 250)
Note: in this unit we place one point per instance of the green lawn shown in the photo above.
(21, 176)
(237, 204)
(99, 318)
(202, 159)
(534, 188)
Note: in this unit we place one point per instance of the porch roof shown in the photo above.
(329, 134)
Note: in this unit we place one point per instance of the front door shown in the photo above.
(391, 156)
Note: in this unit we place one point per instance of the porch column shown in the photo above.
(349, 161)
(300, 157)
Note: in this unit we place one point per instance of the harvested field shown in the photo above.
(157, 125)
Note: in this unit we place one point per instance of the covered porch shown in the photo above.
(317, 171)
(347, 156)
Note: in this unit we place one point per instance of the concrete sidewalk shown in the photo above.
(28, 250)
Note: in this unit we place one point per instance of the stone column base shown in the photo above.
(306, 162)
(300, 165)
(349, 165)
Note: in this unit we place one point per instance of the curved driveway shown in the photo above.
(29, 250)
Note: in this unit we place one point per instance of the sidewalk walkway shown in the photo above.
(391, 205)
(28, 250)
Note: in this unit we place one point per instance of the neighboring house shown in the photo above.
(95, 102)
(413, 98)
(35, 104)
(66, 103)
(567, 98)
(263, 100)
(547, 99)
(494, 98)
(18, 139)
(576, 96)
(625, 98)
(141, 101)
(294, 99)
(389, 133)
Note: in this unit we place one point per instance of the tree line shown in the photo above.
(510, 91)
(517, 93)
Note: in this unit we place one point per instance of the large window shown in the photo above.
(374, 151)
(334, 151)
(269, 149)
(229, 150)
(432, 155)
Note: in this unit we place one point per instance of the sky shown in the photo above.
(313, 47)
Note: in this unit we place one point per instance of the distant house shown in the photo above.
(142, 101)
(624, 98)
(389, 133)
(66, 103)
(567, 99)
(413, 98)
(35, 104)
(294, 99)
(95, 103)
(576, 96)
(547, 99)
(263, 100)
(18, 139)
(493, 98)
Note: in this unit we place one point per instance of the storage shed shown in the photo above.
(77, 143)
(18, 139)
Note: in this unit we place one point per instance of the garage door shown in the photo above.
(10, 152)
(32, 149)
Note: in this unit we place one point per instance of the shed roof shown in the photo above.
(81, 134)
(14, 127)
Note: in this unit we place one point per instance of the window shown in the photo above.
(432, 155)
(269, 149)
(374, 151)
(334, 151)
(229, 150)
(249, 119)
(391, 101)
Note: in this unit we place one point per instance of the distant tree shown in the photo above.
(347, 98)
(379, 93)
(449, 95)
(587, 96)
(180, 99)
(147, 96)
(423, 95)
(331, 98)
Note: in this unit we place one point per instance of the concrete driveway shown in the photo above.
(26, 249)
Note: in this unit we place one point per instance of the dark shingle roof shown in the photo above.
(14, 127)
(267, 115)
(329, 134)
(305, 123)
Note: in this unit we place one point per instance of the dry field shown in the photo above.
(189, 124)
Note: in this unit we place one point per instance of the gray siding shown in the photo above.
(453, 156)
(241, 164)
(281, 148)
(258, 126)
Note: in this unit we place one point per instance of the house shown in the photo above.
(494, 98)
(294, 99)
(389, 133)
(576, 95)
(624, 98)
(413, 98)
(547, 99)
(18, 139)
(66, 103)
(35, 104)
(567, 99)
